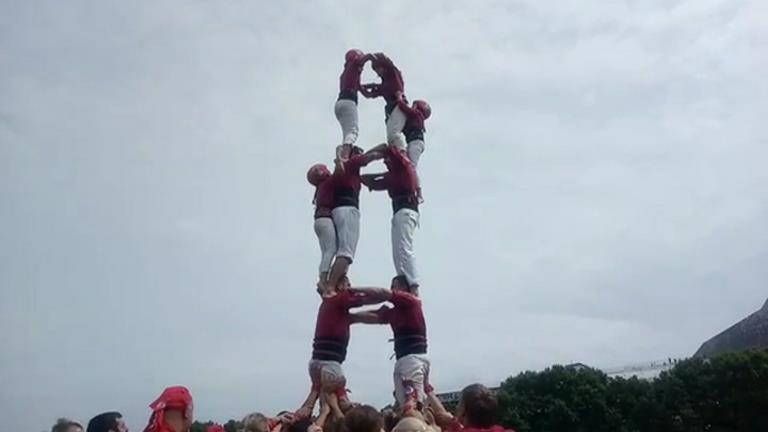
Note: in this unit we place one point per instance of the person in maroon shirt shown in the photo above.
(346, 104)
(401, 182)
(391, 85)
(329, 349)
(406, 317)
(414, 128)
(346, 207)
(477, 411)
(320, 177)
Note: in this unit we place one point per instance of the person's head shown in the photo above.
(300, 425)
(317, 174)
(411, 424)
(363, 418)
(353, 56)
(107, 422)
(255, 422)
(337, 425)
(400, 283)
(391, 418)
(173, 410)
(379, 65)
(423, 107)
(66, 425)
(478, 406)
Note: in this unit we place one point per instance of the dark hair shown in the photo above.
(336, 425)
(480, 406)
(391, 419)
(363, 418)
(63, 424)
(104, 422)
(300, 425)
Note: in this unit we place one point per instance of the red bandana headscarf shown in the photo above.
(175, 398)
(215, 428)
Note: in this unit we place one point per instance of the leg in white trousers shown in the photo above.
(404, 224)
(395, 125)
(347, 221)
(411, 370)
(326, 237)
(346, 114)
(415, 149)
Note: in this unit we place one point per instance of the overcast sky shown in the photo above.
(594, 179)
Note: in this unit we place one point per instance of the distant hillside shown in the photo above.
(751, 332)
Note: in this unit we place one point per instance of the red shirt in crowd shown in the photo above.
(332, 327)
(407, 321)
(324, 198)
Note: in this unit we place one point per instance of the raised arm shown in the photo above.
(372, 295)
(309, 404)
(404, 107)
(366, 317)
(368, 157)
(443, 417)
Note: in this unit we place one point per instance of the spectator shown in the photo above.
(66, 425)
(411, 424)
(172, 411)
(477, 411)
(107, 422)
(255, 422)
(363, 418)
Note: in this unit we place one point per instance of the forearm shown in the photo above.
(365, 317)
(375, 182)
(374, 295)
(311, 399)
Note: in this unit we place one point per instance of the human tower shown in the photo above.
(337, 225)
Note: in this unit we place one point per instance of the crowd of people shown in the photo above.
(173, 411)
(337, 225)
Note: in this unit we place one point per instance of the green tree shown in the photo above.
(727, 393)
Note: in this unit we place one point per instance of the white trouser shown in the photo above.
(326, 237)
(395, 125)
(415, 149)
(404, 224)
(346, 114)
(326, 375)
(347, 221)
(411, 370)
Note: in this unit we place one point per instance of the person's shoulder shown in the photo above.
(405, 296)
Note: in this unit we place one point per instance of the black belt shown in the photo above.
(410, 201)
(412, 134)
(348, 94)
(329, 350)
(346, 201)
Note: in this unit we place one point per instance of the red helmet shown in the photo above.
(317, 173)
(353, 55)
(423, 107)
